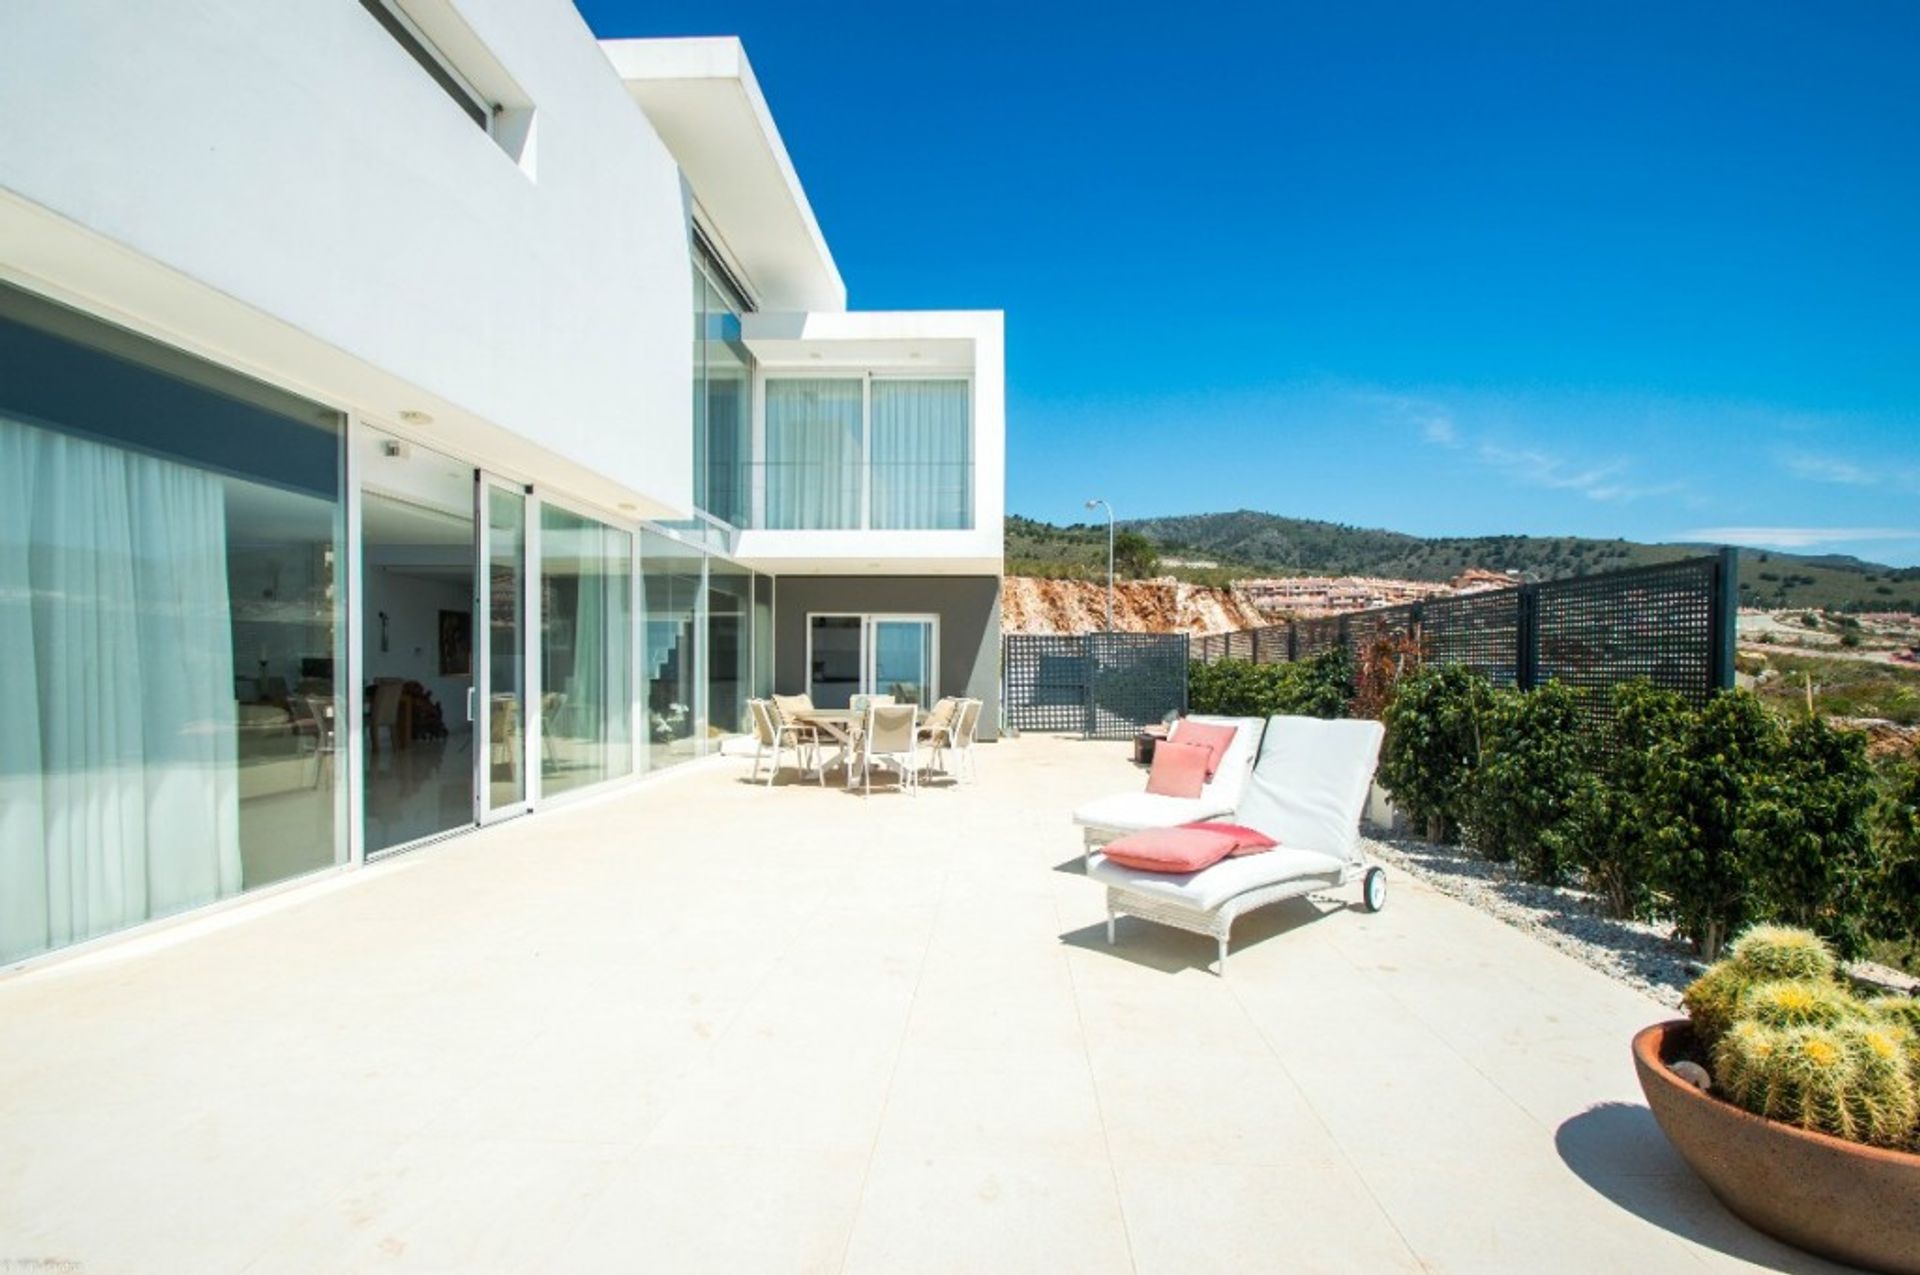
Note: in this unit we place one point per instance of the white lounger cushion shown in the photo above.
(1311, 783)
(1132, 811)
(1207, 889)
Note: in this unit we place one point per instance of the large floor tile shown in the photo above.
(971, 1213)
(672, 1210)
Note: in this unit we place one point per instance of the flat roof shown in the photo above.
(701, 97)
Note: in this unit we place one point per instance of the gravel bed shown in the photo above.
(1641, 955)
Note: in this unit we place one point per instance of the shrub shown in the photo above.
(1896, 905)
(1433, 742)
(1611, 842)
(1522, 798)
(1317, 687)
(1378, 673)
(1698, 794)
(1805, 829)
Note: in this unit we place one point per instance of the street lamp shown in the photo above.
(1095, 504)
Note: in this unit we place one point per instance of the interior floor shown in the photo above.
(419, 790)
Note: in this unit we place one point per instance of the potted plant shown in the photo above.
(1796, 1101)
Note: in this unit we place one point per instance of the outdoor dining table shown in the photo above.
(842, 725)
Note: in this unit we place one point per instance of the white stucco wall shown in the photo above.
(297, 193)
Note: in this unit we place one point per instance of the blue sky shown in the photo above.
(1642, 270)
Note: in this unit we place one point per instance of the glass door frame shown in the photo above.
(485, 812)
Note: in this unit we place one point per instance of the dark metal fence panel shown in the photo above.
(1657, 623)
(1672, 624)
(1137, 679)
(1479, 630)
(1047, 680)
(1364, 628)
(1105, 685)
(1314, 636)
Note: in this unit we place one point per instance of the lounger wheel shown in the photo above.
(1373, 889)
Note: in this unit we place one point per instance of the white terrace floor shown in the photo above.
(706, 1026)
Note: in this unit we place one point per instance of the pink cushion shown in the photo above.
(1208, 735)
(1179, 769)
(1170, 849)
(1246, 840)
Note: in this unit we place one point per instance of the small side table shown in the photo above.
(1144, 741)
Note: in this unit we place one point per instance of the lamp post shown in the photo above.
(1095, 504)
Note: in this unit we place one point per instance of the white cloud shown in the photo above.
(1439, 426)
(1606, 482)
(1799, 537)
(1828, 469)
(1819, 468)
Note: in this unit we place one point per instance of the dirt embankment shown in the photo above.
(1030, 605)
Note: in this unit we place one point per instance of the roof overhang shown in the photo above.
(701, 97)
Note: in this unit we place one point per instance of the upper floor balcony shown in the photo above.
(865, 442)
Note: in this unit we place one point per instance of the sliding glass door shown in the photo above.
(502, 751)
(901, 658)
(894, 655)
(444, 604)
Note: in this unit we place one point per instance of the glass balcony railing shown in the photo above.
(839, 495)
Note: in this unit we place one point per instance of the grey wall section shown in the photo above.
(969, 611)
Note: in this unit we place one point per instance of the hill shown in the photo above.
(1246, 543)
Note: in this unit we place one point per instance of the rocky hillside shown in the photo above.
(1029, 605)
(1275, 545)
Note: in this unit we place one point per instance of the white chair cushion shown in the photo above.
(1132, 811)
(1310, 785)
(1207, 889)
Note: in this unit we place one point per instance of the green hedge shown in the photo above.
(1319, 687)
(1711, 818)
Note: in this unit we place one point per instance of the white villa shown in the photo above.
(363, 480)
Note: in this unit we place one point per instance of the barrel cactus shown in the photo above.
(1777, 952)
(1797, 1002)
(1902, 1013)
(1764, 954)
(1713, 1002)
(1849, 1079)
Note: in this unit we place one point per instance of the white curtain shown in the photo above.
(922, 467)
(813, 454)
(119, 797)
(604, 624)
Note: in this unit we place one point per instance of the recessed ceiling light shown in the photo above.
(414, 416)
(913, 354)
(814, 355)
(628, 506)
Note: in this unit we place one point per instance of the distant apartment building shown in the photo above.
(1335, 595)
(417, 413)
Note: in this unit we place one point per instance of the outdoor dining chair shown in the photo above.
(772, 737)
(891, 738)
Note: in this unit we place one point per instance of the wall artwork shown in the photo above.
(456, 643)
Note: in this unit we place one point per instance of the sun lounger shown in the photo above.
(1105, 818)
(1307, 792)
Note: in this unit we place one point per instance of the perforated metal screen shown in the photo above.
(1102, 685)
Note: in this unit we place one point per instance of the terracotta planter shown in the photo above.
(1839, 1199)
